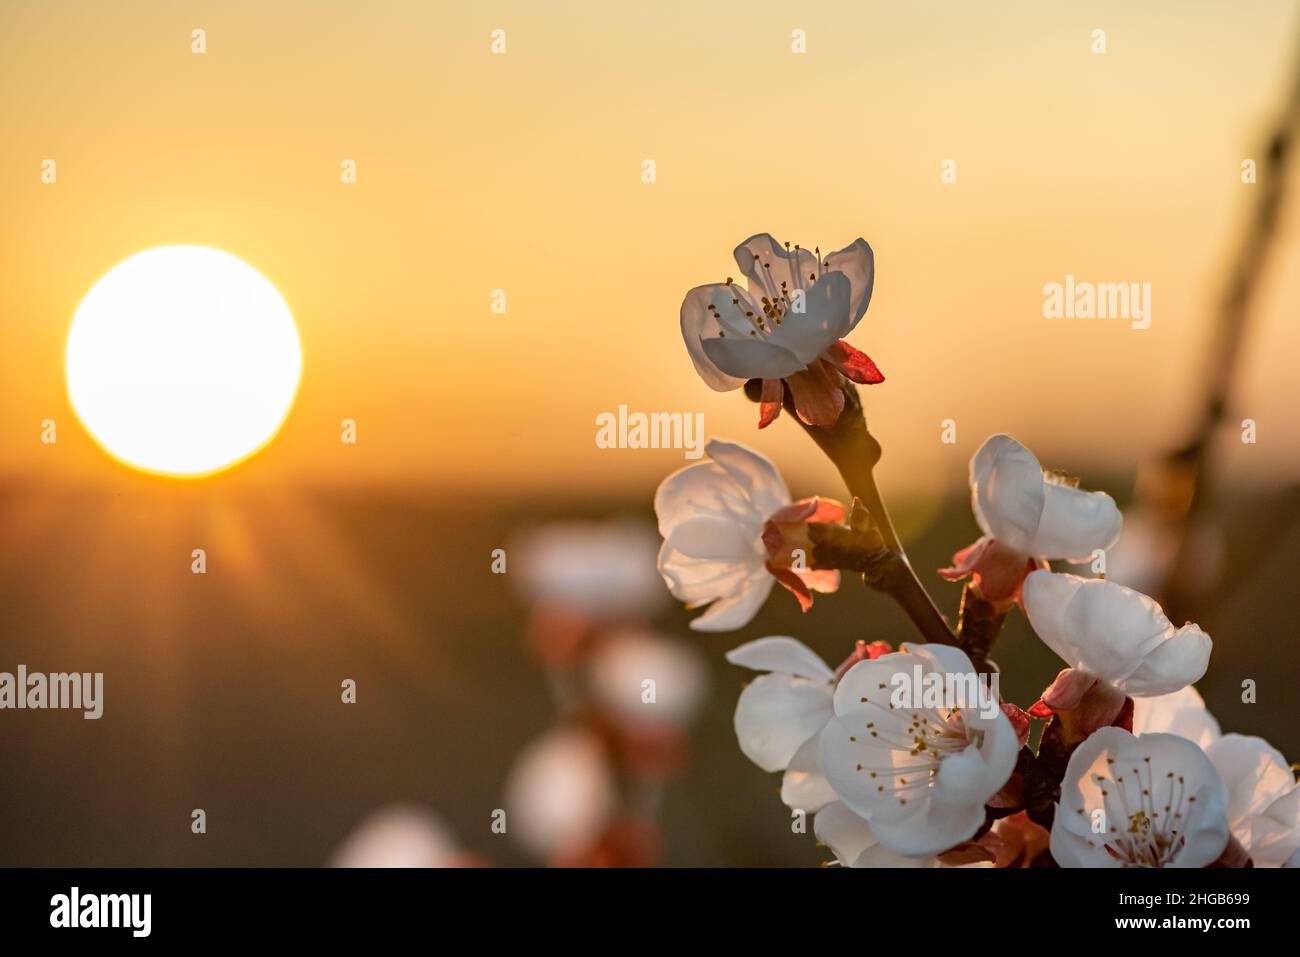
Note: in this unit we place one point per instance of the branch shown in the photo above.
(854, 452)
(979, 622)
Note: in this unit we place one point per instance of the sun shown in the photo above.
(183, 361)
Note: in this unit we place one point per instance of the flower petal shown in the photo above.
(766, 264)
(699, 322)
(782, 655)
(1178, 661)
(1045, 597)
(750, 358)
(858, 263)
(996, 571)
(819, 322)
(803, 786)
(699, 490)
(776, 714)
(818, 399)
(771, 399)
(1181, 712)
(715, 539)
(854, 364)
(736, 610)
(1007, 491)
(755, 475)
(1075, 523)
(845, 833)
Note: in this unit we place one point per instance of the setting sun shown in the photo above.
(183, 360)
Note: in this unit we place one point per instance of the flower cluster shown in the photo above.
(909, 757)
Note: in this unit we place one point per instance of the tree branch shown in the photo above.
(854, 451)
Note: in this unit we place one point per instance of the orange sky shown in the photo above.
(522, 172)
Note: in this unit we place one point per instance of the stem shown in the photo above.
(978, 624)
(855, 452)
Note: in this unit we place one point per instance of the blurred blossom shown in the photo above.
(561, 793)
(620, 667)
(629, 841)
(1147, 556)
(599, 569)
(400, 836)
(1144, 558)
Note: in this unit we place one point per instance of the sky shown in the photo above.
(522, 171)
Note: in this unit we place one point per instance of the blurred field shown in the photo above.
(222, 691)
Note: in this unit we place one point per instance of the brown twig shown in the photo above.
(854, 451)
(979, 622)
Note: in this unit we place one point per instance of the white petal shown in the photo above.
(862, 769)
(753, 473)
(925, 827)
(774, 265)
(977, 773)
(881, 856)
(717, 539)
(1045, 597)
(1256, 775)
(751, 357)
(1176, 662)
(698, 581)
(1114, 628)
(1181, 712)
(704, 488)
(1275, 833)
(824, 321)
(1074, 523)
(1007, 491)
(868, 685)
(783, 655)
(945, 659)
(845, 833)
(698, 323)
(803, 785)
(778, 713)
(736, 610)
(858, 263)
(699, 567)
